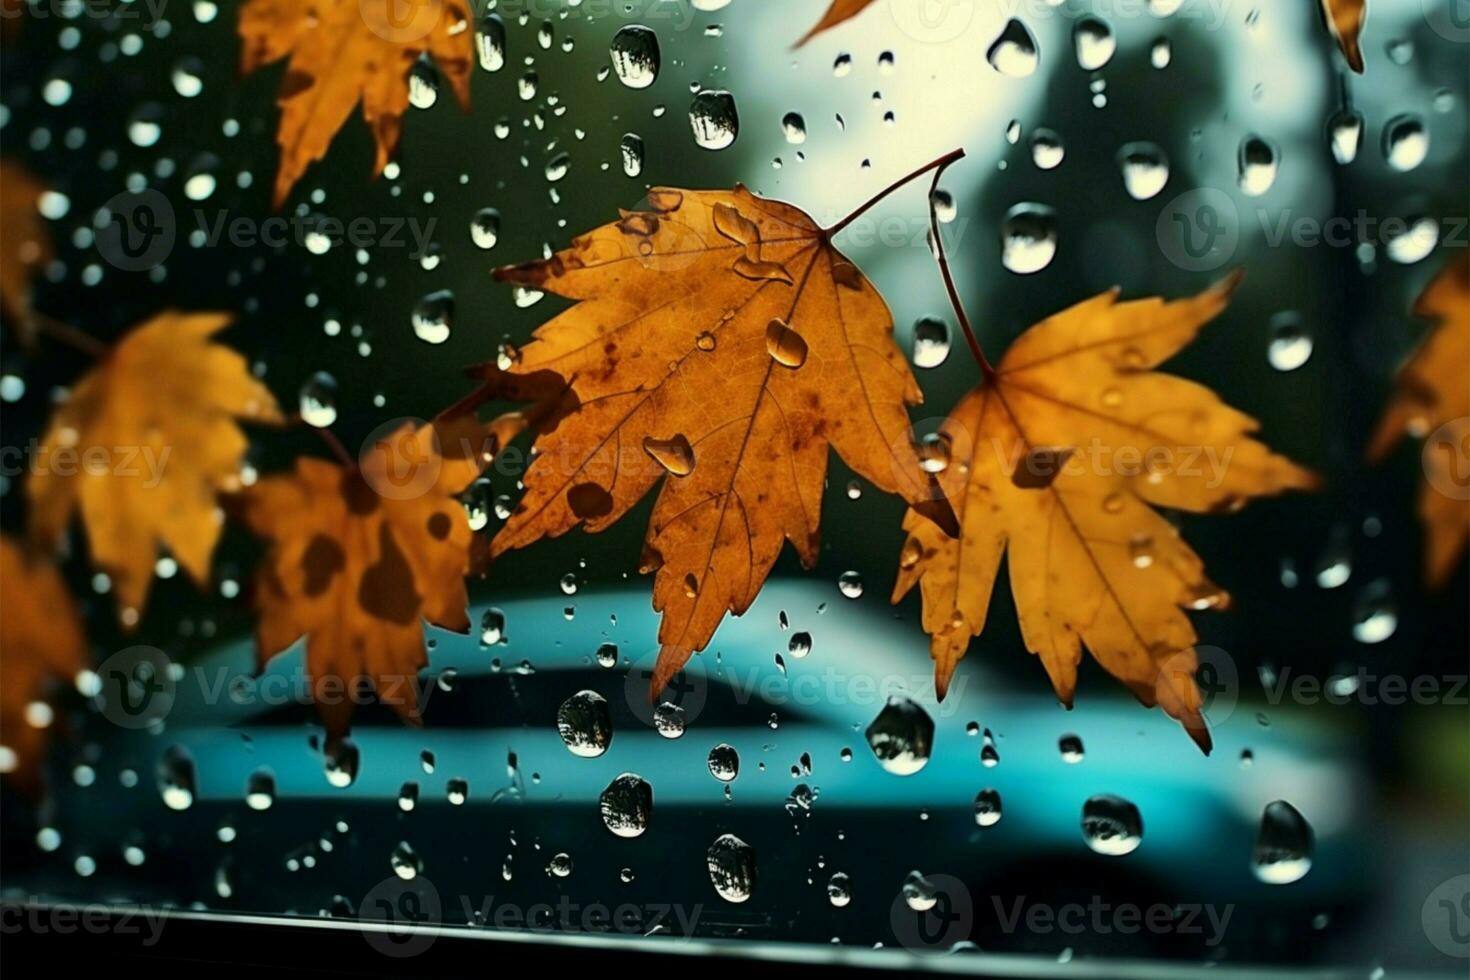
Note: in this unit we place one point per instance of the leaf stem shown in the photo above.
(871, 202)
(954, 295)
(78, 340)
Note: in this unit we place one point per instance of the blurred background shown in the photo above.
(1082, 157)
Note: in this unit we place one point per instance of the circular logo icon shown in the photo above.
(136, 230)
(393, 916)
(687, 690)
(1450, 19)
(1199, 230)
(932, 914)
(401, 21)
(401, 459)
(932, 21)
(1446, 917)
(1446, 459)
(136, 687)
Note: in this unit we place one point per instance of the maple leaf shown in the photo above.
(720, 344)
(1433, 400)
(1061, 455)
(360, 555)
(346, 51)
(25, 246)
(141, 447)
(40, 640)
(1345, 21)
(839, 11)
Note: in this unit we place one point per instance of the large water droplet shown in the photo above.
(724, 762)
(626, 805)
(1258, 164)
(1405, 142)
(1145, 170)
(931, 342)
(731, 864)
(1283, 851)
(1028, 238)
(714, 119)
(1291, 341)
(433, 316)
(1014, 52)
(674, 454)
(1111, 825)
(1095, 43)
(490, 42)
(585, 724)
(318, 400)
(902, 736)
(635, 56)
(987, 807)
(176, 778)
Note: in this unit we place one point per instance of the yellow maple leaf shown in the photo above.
(141, 447)
(346, 51)
(361, 555)
(40, 639)
(1345, 21)
(720, 344)
(1060, 455)
(1432, 400)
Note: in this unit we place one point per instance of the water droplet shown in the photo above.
(839, 890)
(492, 627)
(607, 656)
(318, 400)
(1028, 238)
(731, 864)
(176, 778)
(1405, 142)
(457, 791)
(433, 316)
(1145, 170)
(490, 42)
(1258, 164)
(423, 84)
(850, 584)
(631, 150)
(560, 865)
(1013, 52)
(405, 861)
(1111, 825)
(1095, 43)
(669, 720)
(558, 167)
(714, 119)
(786, 347)
(902, 736)
(635, 56)
(1283, 851)
(919, 893)
(1047, 151)
(800, 645)
(626, 805)
(1291, 341)
(674, 455)
(794, 126)
(1375, 614)
(585, 724)
(987, 807)
(1345, 135)
(724, 762)
(260, 790)
(485, 228)
(931, 342)
(1070, 746)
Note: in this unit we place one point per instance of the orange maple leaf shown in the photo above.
(1345, 21)
(146, 440)
(343, 51)
(40, 640)
(361, 555)
(839, 11)
(720, 344)
(1059, 454)
(1432, 400)
(25, 246)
